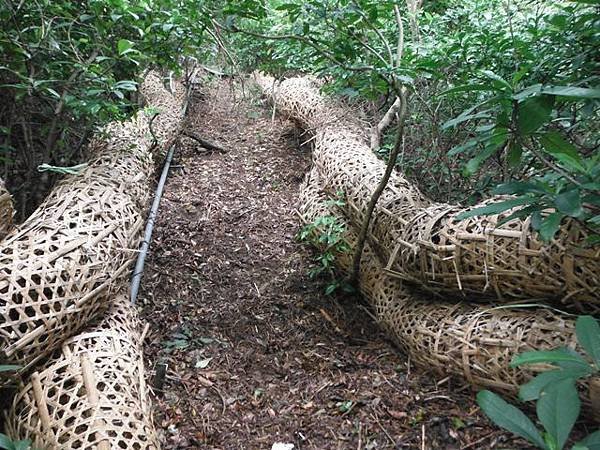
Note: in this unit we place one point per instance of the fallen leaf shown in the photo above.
(202, 363)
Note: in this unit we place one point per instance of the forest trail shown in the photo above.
(256, 353)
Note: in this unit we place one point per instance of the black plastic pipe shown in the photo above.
(139, 264)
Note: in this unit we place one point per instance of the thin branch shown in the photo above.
(401, 93)
(204, 143)
(553, 166)
(305, 40)
(362, 237)
(400, 46)
(379, 35)
(385, 122)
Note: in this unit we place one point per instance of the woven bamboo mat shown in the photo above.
(91, 394)
(421, 241)
(471, 341)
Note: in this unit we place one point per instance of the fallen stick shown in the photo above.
(204, 143)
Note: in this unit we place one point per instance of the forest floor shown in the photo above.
(256, 353)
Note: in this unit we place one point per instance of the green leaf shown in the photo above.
(588, 335)
(571, 91)
(468, 88)
(533, 113)
(5, 442)
(464, 117)
(9, 368)
(518, 187)
(474, 163)
(123, 46)
(497, 78)
(558, 409)
(8, 444)
(515, 151)
(561, 91)
(569, 203)
(494, 208)
(532, 389)
(560, 355)
(565, 152)
(550, 226)
(510, 418)
(591, 442)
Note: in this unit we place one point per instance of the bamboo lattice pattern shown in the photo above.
(422, 241)
(91, 394)
(474, 342)
(58, 269)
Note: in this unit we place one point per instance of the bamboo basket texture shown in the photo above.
(58, 269)
(91, 394)
(6, 211)
(474, 342)
(422, 241)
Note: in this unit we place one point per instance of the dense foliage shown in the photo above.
(67, 66)
(555, 392)
(503, 94)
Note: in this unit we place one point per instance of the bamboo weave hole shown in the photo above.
(472, 341)
(66, 315)
(423, 242)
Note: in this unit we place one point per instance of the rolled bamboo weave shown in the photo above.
(58, 269)
(471, 341)
(91, 394)
(6, 211)
(422, 241)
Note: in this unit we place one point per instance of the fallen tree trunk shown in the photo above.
(474, 342)
(423, 242)
(6, 211)
(60, 267)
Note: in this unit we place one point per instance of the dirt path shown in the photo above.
(256, 353)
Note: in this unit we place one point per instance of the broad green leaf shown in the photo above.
(9, 368)
(495, 208)
(464, 147)
(515, 152)
(521, 213)
(474, 163)
(5, 441)
(588, 335)
(558, 408)
(532, 389)
(123, 46)
(464, 117)
(565, 152)
(510, 418)
(533, 113)
(560, 355)
(468, 88)
(569, 203)
(571, 91)
(519, 187)
(591, 442)
(562, 91)
(22, 445)
(550, 226)
(497, 78)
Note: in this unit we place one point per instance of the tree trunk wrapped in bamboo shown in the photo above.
(91, 394)
(471, 341)
(423, 242)
(6, 211)
(58, 269)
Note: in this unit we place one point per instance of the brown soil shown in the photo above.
(256, 353)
